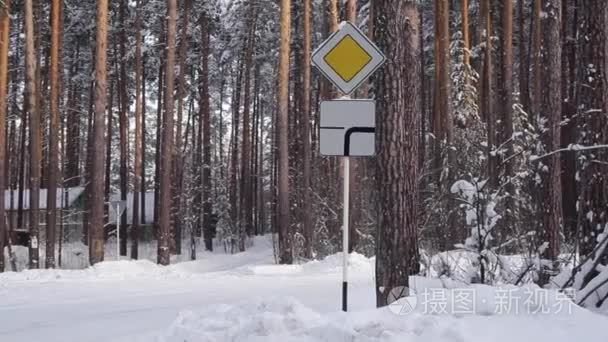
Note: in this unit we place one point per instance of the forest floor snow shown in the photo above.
(245, 297)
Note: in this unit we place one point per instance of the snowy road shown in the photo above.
(139, 301)
(121, 301)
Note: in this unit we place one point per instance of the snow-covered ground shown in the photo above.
(245, 297)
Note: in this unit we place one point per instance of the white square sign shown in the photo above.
(348, 128)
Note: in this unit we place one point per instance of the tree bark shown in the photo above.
(138, 137)
(537, 58)
(177, 159)
(123, 126)
(283, 207)
(398, 92)
(351, 11)
(4, 44)
(205, 115)
(246, 223)
(442, 120)
(31, 106)
(524, 64)
(53, 166)
(486, 93)
(570, 29)
(157, 150)
(167, 142)
(504, 127)
(464, 9)
(96, 206)
(551, 111)
(72, 174)
(307, 226)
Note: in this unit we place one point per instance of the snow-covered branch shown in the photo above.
(570, 148)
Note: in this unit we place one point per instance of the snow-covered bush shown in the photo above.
(481, 217)
(590, 277)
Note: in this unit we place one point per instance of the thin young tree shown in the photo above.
(551, 110)
(593, 201)
(524, 64)
(283, 206)
(123, 123)
(396, 31)
(307, 226)
(4, 44)
(466, 37)
(486, 98)
(246, 223)
(138, 136)
(355, 164)
(504, 121)
(164, 233)
(31, 105)
(570, 57)
(442, 121)
(205, 133)
(96, 203)
(177, 159)
(53, 144)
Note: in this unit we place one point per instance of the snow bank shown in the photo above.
(111, 270)
(286, 319)
(332, 264)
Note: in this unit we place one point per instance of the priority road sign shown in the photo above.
(347, 58)
(348, 128)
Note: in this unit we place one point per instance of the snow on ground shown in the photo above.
(245, 297)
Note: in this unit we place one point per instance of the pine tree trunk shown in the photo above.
(486, 93)
(537, 58)
(398, 92)
(307, 225)
(234, 146)
(53, 166)
(356, 165)
(177, 159)
(283, 206)
(72, 174)
(206, 134)
(157, 150)
(22, 163)
(524, 65)
(464, 12)
(138, 137)
(96, 205)
(143, 187)
(504, 121)
(442, 120)
(4, 44)
(569, 131)
(551, 111)
(31, 106)
(123, 127)
(350, 7)
(246, 224)
(167, 141)
(109, 140)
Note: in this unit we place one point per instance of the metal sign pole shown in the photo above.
(346, 204)
(118, 231)
(347, 128)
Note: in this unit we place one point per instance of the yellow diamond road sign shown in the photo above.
(347, 58)
(347, 50)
